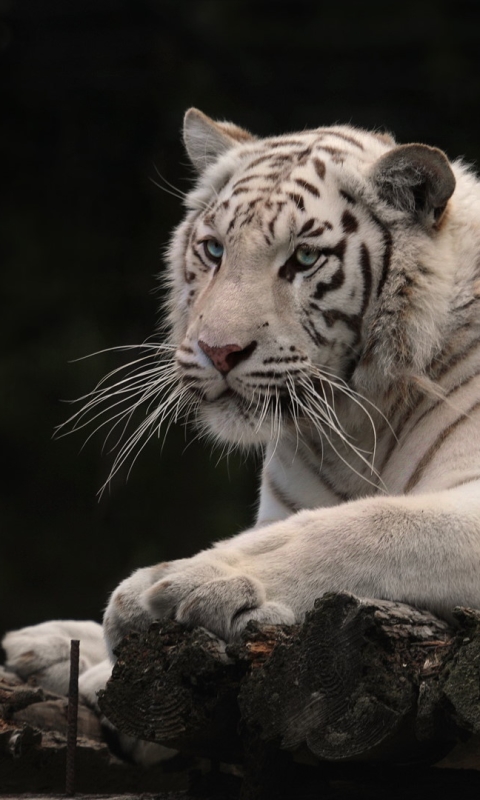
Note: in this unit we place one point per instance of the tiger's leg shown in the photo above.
(42, 651)
(419, 549)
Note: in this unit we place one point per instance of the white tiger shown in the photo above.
(324, 296)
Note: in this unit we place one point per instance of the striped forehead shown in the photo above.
(285, 173)
(275, 158)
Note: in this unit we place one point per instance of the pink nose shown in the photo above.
(226, 357)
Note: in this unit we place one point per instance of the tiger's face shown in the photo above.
(310, 288)
(276, 276)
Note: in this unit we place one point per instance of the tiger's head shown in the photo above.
(303, 265)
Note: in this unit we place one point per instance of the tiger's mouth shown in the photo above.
(228, 394)
(299, 399)
(224, 394)
(304, 404)
(261, 402)
(230, 397)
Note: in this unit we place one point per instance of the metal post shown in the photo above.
(72, 716)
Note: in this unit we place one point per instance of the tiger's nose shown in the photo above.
(226, 357)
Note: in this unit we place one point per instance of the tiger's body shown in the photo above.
(324, 305)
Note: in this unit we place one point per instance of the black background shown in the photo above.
(92, 98)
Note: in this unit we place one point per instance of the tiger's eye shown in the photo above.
(306, 256)
(214, 249)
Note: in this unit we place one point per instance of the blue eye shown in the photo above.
(213, 249)
(306, 256)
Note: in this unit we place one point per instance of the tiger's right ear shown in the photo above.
(205, 140)
(415, 178)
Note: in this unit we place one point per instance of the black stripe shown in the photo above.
(387, 252)
(456, 359)
(187, 242)
(346, 138)
(338, 278)
(349, 222)
(367, 277)
(231, 225)
(285, 143)
(436, 403)
(467, 304)
(297, 199)
(306, 226)
(260, 160)
(338, 156)
(317, 232)
(206, 267)
(352, 321)
(247, 220)
(316, 337)
(344, 498)
(188, 364)
(462, 483)
(320, 473)
(271, 224)
(280, 495)
(303, 157)
(284, 359)
(396, 435)
(248, 178)
(348, 197)
(309, 187)
(319, 167)
(430, 454)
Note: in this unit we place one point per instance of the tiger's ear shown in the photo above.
(205, 140)
(415, 178)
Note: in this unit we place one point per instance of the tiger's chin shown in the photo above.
(232, 423)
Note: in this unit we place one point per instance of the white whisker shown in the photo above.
(150, 381)
(153, 382)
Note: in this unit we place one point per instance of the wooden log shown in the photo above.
(177, 686)
(333, 708)
(353, 674)
(359, 679)
(358, 701)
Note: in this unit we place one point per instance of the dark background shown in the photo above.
(92, 98)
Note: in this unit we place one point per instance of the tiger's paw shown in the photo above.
(226, 605)
(200, 591)
(42, 652)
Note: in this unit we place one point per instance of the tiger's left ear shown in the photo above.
(205, 140)
(415, 178)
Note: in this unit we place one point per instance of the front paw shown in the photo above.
(126, 611)
(204, 592)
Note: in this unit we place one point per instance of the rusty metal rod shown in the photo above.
(72, 716)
